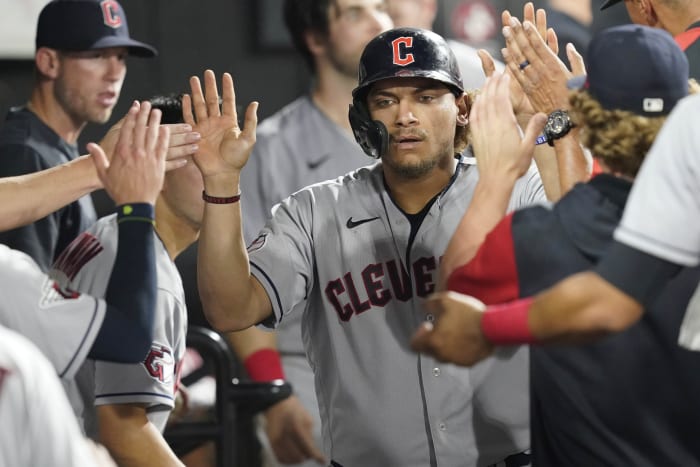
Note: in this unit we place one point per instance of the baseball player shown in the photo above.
(641, 372)
(81, 48)
(68, 326)
(356, 255)
(126, 406)
(308, 141)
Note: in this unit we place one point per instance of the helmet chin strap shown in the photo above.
(371, 135)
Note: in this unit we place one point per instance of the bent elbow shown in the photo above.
(223, 321)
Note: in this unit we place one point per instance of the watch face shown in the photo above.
(558, 123)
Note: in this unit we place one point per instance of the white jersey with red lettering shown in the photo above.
(37, 426)
(152, 382)
(342, 252)
(60, 322)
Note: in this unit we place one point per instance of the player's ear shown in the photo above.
(47, 62)
(463, 108)
(315, 42)
(647, 9)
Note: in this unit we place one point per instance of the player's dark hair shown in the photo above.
(304, 16)
(170, 105)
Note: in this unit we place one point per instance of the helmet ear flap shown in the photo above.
(371, 135)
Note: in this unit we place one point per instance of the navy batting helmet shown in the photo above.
(398, 53)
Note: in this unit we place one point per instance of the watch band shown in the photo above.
(541, 139)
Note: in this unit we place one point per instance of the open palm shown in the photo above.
(224, 147)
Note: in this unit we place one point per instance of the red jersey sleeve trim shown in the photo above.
(492, 275)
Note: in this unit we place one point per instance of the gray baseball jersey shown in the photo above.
(340, 251)
(662, 215)
(37, 425)
(61, 323)
(152, 382)
(296, 147)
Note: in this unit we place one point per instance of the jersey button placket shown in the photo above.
(436, 372)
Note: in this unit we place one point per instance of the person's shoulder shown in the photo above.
(288, 117)
(14, 260)
(106, 231)
(356, 181)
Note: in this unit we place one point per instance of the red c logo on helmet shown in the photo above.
(110, 9)
(400, 57)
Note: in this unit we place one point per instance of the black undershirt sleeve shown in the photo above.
(127, 330)
(638, 274)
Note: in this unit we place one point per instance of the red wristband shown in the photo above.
(507, 324)
(264, 365)
(217, 200)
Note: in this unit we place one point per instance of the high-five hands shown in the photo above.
(135, 173)
(495, 135)
(455, 335)
(531, 58)
(224, 147)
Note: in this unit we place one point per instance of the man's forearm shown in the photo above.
(27, 198)
(487, 207)
(232, 299)
(581, 307)
(131, 439)
(571, 160)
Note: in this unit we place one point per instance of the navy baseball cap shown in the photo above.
(610, 3)
(78, 25)
(635, 68)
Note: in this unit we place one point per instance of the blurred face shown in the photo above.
(351, 25)
(411, 13)
(88, 83)
(182, 191)
(421, 117)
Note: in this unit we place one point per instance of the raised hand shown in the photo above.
(494, 133)
(537, 68)
(224, 148)
(518, 100)
(135, 173)
(182, 142)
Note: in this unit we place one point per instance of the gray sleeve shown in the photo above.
(62, 323)
(282, 257)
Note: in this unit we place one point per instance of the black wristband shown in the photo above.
(143, 212)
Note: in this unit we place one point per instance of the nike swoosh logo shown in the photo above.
(315, 163)
(351, 224)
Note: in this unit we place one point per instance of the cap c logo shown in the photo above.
(402, 58)
(110, 13)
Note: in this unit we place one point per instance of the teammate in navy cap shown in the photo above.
(80, 66)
